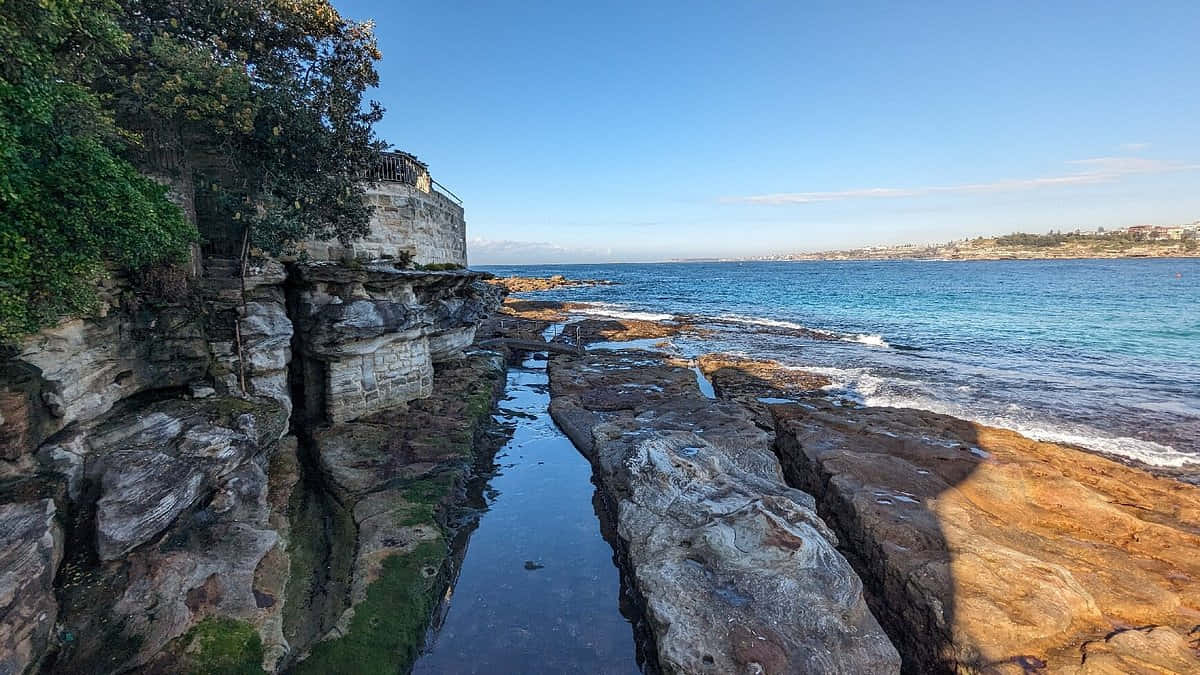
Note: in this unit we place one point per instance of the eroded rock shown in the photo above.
(31, 547)
(987, 551)
(371, 333)
(181, 525)
(736, 571)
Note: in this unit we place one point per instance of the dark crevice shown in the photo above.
(323, 533)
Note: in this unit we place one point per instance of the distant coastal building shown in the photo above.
(1156, 232)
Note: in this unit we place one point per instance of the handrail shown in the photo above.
(399, 167)
(443, 188)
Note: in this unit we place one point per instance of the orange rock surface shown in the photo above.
(990, 552)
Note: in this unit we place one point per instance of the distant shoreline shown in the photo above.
(697, 261)
(960, 258)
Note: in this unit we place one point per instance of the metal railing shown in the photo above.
(399, 167)
(446, 191)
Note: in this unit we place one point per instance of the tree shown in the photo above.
(264, 100)
(69, 203)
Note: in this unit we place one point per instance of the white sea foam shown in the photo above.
(645, 344)
(867, 339)
(772, 323)
(861, 338)
(619, 312)
(862, 386)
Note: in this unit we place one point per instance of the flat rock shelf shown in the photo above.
(538, 589)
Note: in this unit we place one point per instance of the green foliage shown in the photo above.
(389, 625)
(1108, 241)
(222, 646)
(440, 267)
(68, 202)
(1022, 239)
(264, 101)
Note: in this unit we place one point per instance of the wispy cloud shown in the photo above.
(1134, 147)
(485, 251)
(1088, 171)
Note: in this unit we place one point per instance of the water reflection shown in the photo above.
(538, 590)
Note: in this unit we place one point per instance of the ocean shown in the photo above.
(1103, 354)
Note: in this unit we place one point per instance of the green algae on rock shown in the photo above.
(222, 646)
(395, 472)
(390, 623)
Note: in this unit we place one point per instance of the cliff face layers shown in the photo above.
(369, 335)
(162, 509)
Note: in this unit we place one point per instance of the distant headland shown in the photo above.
(1139, 241)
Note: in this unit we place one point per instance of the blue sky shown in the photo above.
(599, 131)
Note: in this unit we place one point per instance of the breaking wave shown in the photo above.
(860, 385)
(869, 339)
(620, 312)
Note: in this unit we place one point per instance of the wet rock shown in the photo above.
(395, 471)
(986, 551)
(31, 547)
(755, 383)
(736, 571)
(588, 331)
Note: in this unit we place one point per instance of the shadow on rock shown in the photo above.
(986, 552)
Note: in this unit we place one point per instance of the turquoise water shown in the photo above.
(1101, 353)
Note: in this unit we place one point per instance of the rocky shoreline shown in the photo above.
(978, 550)
(268, 479)
(515, 284)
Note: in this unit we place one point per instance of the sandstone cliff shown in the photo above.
(180, 481)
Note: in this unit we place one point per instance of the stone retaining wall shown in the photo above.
(424, 224)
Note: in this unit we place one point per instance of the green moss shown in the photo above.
(423, 498)
(430, 490)
(221, 646)
(321, 552)
(418, 514)
(439, 267)
(389, 625)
